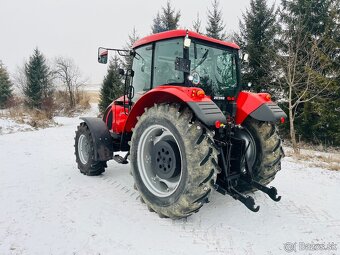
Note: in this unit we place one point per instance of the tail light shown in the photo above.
(265, 96)
(200, 93)
(197, 93)
(219, 124)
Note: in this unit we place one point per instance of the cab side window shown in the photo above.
(164, 66)
(142, 69)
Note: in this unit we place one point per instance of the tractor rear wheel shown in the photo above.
(264, 152)
(84, 152)
(173, 160)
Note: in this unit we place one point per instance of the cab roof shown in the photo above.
(181, 33)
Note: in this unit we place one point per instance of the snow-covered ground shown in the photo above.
(48, 207)
(8, 126)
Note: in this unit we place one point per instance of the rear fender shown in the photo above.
(203, 108)
(257, 105)
(102, 140)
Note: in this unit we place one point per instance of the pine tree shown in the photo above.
(196, 25)
(39, 86)
(167, 20)
(258, 31)
(308, 62)
(320, 122)
(215, 27)
(133, 37)
(5, 86)
(170, 17)
(112, 86)
(157, 25)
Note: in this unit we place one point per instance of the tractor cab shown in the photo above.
(182, 58)
(186, 59)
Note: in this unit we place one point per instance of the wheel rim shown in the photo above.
(159, 161)
(250, 144)
(83, 149)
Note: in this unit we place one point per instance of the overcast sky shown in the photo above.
(76, 28)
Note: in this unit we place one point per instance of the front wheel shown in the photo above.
(264, 152)
(173, 161)
(84, 152)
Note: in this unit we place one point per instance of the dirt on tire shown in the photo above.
(200, 161)
(92, 167)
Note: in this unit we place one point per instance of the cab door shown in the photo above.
(142, 67)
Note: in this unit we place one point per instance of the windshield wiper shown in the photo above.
(204, 57)
(135, 53)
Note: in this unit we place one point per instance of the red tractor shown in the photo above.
(186, 126)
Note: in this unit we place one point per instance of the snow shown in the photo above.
(48, 207)
(8, 126)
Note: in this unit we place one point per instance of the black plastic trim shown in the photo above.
(102, 140)
(207, 112)
(268, 112)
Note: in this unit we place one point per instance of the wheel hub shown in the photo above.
(250, 145)
(83, 149)
(166, 159)
(159, 160)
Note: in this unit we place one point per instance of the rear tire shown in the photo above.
(84, 151)
(164, 134)
(268, 152)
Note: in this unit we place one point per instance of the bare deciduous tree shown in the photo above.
(303, 76)
(68, 73)
(20, 79)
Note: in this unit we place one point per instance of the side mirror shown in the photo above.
(102, 55)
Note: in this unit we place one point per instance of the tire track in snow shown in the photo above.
(209, 237)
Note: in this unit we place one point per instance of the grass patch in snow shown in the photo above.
(17, 117)
(313, 158)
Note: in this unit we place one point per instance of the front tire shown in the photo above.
(173, 160)
(84, 152)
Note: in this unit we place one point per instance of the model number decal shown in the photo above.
(219, 98)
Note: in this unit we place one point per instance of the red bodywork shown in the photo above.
(119, 116)
(126, 121)
(247, 102)
(180, 33)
